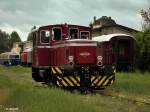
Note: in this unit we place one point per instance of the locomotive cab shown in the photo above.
(65, 56)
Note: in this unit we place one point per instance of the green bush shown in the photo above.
(142, 56)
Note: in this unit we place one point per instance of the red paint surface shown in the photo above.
(24, 57)
(85, 55)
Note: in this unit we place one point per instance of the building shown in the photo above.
(106, 25)
(18, 47)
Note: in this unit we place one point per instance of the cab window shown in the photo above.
(85, 35)
(56, 33)
(45, 34)
(73, 33)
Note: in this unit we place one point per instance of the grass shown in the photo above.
(135, 85)
(18, 90)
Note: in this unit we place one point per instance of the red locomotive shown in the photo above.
(26, 57)
(65, 56)
(23, 58)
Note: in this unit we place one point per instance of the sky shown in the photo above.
(22, 15)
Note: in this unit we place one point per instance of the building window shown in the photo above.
(73, 33)
(84, 35)
(56, 33)
(45, 34)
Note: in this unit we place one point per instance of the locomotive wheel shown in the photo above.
(35, 75)
(47, 78)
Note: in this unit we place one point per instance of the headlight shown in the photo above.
(71, 60)
(9, 63)
(99, 60)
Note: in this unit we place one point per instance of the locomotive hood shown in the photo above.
(83, 51)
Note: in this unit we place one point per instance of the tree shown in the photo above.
(143, 42)
(143, 50)
(4, 42)
(14, 37)
(30, 37)
(146, 18)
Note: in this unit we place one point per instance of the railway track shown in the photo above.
(123, 97)
(111, 94)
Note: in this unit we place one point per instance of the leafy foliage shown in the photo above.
(143, 50)
(30, 37)
(14, 38)
(146, 18)
(143, 42)
(4, 42)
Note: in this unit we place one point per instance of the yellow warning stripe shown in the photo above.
(78, 78)
(58, 83)
(64, 83)
(112, 82)
(73, 79)
(58, 70)
(110, 77)
(101, 81)
(71, 84)
(93, 77)
(96, 81)
(106, 82)
(68, 81)
(53, 71)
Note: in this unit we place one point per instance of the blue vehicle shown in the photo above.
(10, 58)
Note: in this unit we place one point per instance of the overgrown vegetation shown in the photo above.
(14, 37)
(6, 40)
(143, 43)
(133, 84)
(143, 50)
(18, 90)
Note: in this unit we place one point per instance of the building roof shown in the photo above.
(106, 38)
(116, 25)
(107, 22)
(104, 20)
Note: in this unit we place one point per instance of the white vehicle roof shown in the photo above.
(10, 53)
(27, 49)
(105, 38)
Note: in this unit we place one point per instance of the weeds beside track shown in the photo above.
(19, 91)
